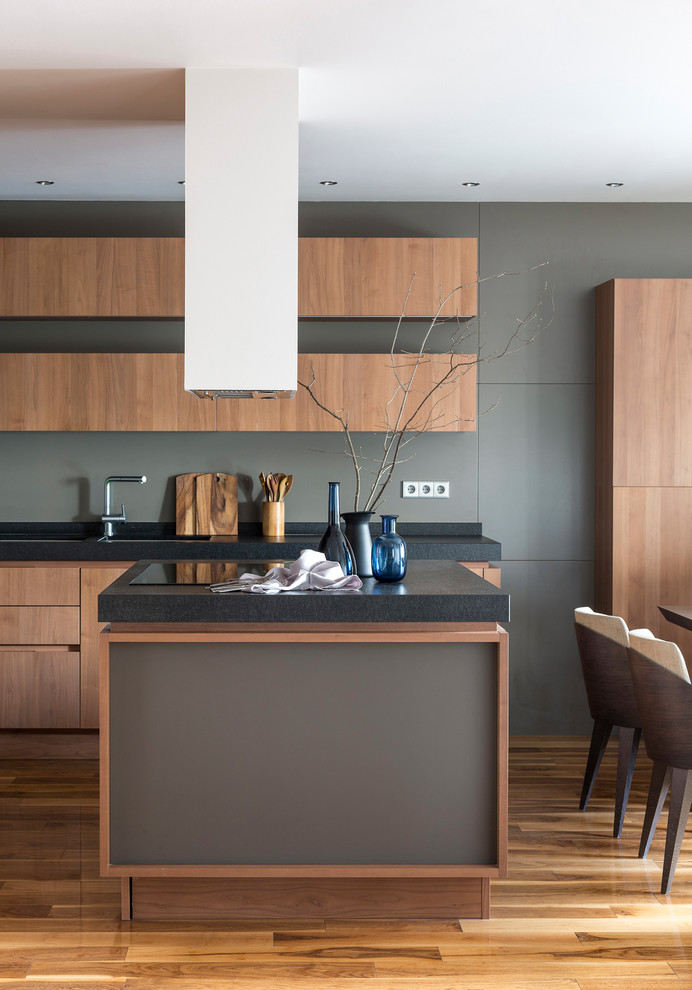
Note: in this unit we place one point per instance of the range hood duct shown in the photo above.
(241, 232)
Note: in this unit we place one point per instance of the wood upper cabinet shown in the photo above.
(109, 392)
(99, 392)
(98, 277)
(370, 276)
(362, 385)
(142, 277)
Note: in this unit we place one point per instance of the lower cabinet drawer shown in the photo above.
(39, 689)
(36, 584)
(36, 625)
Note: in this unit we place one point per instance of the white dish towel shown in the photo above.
(310, 572)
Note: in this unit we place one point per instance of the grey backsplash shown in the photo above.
(55, 477)
(525, 475)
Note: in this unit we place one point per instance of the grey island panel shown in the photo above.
(432, 591)
(252, 754)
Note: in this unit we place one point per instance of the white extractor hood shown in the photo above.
(241, 231)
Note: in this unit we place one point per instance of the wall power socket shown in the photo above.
(425, 489)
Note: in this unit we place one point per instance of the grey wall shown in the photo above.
(527, 474)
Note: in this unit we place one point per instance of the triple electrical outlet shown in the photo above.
(425, 489)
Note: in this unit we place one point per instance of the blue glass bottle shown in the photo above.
(388, 552)
(334, 544)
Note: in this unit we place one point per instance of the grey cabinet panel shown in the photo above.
(536, 487)
(546, 689)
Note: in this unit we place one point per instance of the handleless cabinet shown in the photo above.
(39, 647)
(376, 276)
(97, 277)
(643, 463)
(49, 632)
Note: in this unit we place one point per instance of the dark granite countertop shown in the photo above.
(157, 541)
(432, 591)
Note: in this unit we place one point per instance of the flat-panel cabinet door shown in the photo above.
(372, 276)
(36, 584)
(39, 624)
(68, 277)
(39, 689)
(105, 392)
(361, 385)
(651, 368)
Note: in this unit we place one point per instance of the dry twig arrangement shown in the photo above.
(403, 422)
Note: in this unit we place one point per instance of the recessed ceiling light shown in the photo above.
(181, 182)
(470, 185)
(45, 182)
(328, 182)
(614, 185)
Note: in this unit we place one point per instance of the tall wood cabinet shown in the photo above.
(644, 451)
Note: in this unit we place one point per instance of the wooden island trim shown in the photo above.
(334, 890)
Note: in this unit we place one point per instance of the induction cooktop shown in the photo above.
(203, 572)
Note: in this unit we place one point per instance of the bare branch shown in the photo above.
(402, 423)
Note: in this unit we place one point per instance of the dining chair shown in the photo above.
(603, 641)
(664, 697)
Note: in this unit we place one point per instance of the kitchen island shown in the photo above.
(311, 754)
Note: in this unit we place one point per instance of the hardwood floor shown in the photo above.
(578, 912)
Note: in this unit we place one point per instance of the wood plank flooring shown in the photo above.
(578, 912)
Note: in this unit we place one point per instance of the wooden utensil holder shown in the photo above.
(273, 518)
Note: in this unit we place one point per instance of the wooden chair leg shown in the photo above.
(679, 809)
(627, 757)
(599, 740)
(658, 789)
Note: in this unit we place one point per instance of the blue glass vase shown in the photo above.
(388, 552)
(334, 544)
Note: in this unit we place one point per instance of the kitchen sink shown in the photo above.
(42, 537)
(159, 538)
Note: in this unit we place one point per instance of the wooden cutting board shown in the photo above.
(206, 504)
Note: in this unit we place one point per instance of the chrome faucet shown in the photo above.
(108, 519)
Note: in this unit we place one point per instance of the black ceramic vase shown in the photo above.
(358, 535)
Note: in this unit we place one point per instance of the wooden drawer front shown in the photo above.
(489, 572)
(39, 690)
(39, 625)
(38, 585)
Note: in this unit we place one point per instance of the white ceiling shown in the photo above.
(540, 100)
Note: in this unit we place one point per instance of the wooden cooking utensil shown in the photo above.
(286, 485)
